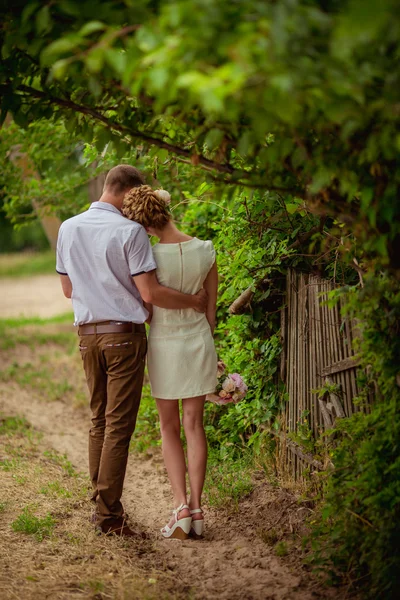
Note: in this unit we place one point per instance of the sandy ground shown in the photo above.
(36, 296)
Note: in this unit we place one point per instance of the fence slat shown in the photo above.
(317, 343)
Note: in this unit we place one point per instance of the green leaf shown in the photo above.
(95, 60)
(95, 86)
(158, 78)
(61, 46)
(91, 27)
(70, 7)
(43, 20)
(29, 10)
(116, 59)
(59, 68)
(213, 138)
(244, 144)
(292, 208)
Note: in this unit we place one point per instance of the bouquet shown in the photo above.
(230, 387)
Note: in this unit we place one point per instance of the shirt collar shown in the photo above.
(105, 206)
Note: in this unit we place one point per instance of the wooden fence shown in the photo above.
(317, 350)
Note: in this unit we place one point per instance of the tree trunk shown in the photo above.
(50, 223)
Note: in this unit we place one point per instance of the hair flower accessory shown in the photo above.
(164, 196)
(230, 387)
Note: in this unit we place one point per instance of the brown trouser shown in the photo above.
(114, 368)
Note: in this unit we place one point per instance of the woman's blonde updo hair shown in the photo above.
(147, 206)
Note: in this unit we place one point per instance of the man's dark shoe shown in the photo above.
(94, 517)
(120, 527)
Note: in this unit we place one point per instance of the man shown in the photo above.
(107, 268)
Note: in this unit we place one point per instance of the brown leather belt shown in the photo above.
(111, 327)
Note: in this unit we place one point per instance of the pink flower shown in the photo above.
(239, 383)
(229, 385)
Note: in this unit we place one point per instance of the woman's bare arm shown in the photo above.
(155, 293)
(211, 287)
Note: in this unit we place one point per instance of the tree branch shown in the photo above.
(95, 114)
(180, 152)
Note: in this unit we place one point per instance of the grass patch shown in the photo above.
(269, 536)
(56, 490)
(147, 432)
(9, 464)
(62, 461)
(22, 331)
(14, 425)
(95, 586)
(24, 321)
(19, 441)
(229, 481)
(281, 549)
(42, 380)
(27, 263)
(30, 524)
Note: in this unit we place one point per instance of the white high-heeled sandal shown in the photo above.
(180, 529)
(197, 526)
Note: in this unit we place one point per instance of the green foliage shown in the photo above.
(359, 531)
(29, 523)
(48, 169)
(297, 96)
(29, 237)
(304, 435)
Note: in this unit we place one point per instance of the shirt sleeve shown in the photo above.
(60, 268)
(140, 254)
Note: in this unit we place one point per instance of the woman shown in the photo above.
(182, 361)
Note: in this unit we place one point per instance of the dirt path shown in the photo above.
(37, 296)
(231, 563)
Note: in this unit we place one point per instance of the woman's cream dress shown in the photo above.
(182, 361)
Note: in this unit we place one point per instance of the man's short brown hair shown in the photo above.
(122, 178)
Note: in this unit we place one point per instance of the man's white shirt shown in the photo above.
(100, 250)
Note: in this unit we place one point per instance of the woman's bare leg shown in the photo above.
(193, 410)
(174, 457)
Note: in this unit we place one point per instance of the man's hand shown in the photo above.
(201, 301)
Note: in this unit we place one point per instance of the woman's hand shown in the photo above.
(149, 308)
